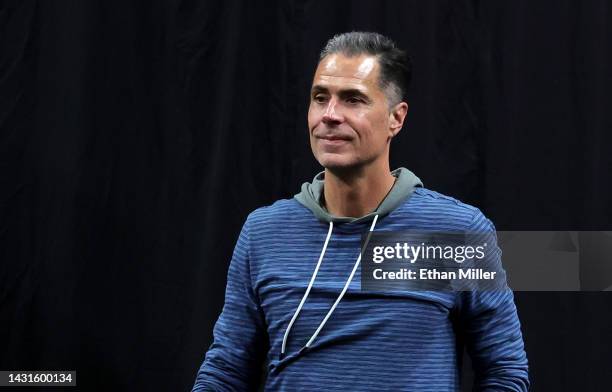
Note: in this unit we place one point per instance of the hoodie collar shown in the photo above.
(310, 197)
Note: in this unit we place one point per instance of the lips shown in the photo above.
(334, 138)
(333, 142)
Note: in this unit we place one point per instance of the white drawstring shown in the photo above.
(314, 275)
(346, 285)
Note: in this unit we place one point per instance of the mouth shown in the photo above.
(333, 141)
(334, 138)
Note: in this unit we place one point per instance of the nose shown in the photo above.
(331, 115)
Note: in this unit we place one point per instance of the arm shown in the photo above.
(492, 329)
(233, 361)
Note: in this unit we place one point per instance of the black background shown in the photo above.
(135, 137)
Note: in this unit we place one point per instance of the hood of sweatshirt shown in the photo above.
(310, 197)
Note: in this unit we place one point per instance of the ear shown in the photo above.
(396, 118)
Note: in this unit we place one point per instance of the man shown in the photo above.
(293, 294)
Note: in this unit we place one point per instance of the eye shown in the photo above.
(319, 98)
(354, 100)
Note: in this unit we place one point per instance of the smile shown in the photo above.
(334, 138)
(333, 141)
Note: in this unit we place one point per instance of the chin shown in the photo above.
(336, 161)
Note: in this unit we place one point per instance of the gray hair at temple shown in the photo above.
(395, 65)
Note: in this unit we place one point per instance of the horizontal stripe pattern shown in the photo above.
(399, 341)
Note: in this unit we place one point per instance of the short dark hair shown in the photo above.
(395, 65)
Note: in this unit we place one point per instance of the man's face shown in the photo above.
(349, 119)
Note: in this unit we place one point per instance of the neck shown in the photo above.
(356, 193)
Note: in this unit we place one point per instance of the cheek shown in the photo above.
(313, 117)
(380, 124)
(362, 122)
(381, 120)
(372, 129)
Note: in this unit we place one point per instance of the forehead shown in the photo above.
(338, 70)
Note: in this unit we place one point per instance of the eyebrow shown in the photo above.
(342, 93)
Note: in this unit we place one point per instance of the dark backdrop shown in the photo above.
(135, 137)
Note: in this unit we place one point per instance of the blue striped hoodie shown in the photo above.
(294, 302)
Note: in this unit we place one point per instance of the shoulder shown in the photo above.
(427, 198)
(278, 214)
(426, 205)
(279, 209)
